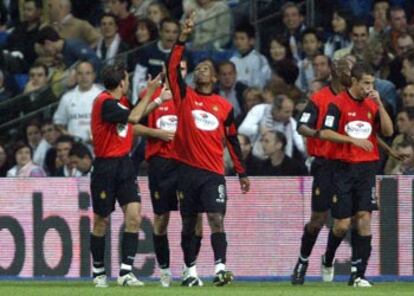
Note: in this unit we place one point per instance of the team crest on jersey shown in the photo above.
(167, 123)
(205, 120)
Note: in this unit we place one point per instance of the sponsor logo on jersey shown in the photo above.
(358, 129)
(205, 120)
(167, 123)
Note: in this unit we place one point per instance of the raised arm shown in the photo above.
(385, 121)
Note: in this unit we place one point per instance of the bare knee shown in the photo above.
(316, 222)
(363, 223)
(161, 223)
(132, 217)
(215, 220)
(341, 226)
(99, 225)
(199, 225)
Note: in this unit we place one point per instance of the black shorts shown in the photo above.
(200, 191)
(113, 179)
(354, 189)
(162, 179)
(322, 188)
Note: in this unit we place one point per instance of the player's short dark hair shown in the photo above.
(38, 64)
(80, 150)
(360, 69)
(65, 139)
(409, 56)
(109, 14)
(38, 3)
(20, 145)
(112, 75)
(47, 34)
(246, 28)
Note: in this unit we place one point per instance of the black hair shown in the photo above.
(47, 34)
(246, 28)
(360, 69)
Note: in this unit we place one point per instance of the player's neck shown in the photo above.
(116, 93)
(354, 94)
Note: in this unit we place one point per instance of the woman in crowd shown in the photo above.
(340, 33)
(24, 165)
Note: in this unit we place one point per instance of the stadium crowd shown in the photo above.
(52, 52)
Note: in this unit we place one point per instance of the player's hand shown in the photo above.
(166, 94)
(363, 144)
(244, 184)
(374, 94)
(165, 136)
(187, 27)
(153, 84)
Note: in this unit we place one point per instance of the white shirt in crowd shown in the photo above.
(260, 116)
(252, 69)
(74, 111)
(39, 154)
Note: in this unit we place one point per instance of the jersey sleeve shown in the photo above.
(332, 118)
(176, 82)
(309, 115)
(112, 112)
(233, 145)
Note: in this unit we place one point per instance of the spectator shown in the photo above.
(75, 107)
(285, 75)
(4, 164)
(110, 45)
(378, 57)
(24, 165)
(152, 58)
(146, 32)
(68, 26)
(139, 8)
(252, 96)
(230, 88)
(405, 43)
(213, 21)
(316, 85)
(157, 12)
(359, 37)
(311, 44)
(279, 49)
(251, 162)
(399, 26)
(408, 96)
(65, 168)
(33, 136)
(405, 127)
(408, 67)
(276, 116)
(4, 92)
(127, 22)
(81, 159)
(277, 162)
(50, 134)
(322, 66)
(340, 33)
(52, 46)
(293, 21)
(38, 78)
(252, 67)
(21, 41)
(406, 166)
(380, 13)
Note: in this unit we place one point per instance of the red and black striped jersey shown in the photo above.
(205, 124)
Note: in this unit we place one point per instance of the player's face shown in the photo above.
(33, 135)
(203, 74)
(408, 96)
(169, 34)
(364, 86)
(227, 75)
(23, 156)
(62, 151)
(277, 51)
(403, 123)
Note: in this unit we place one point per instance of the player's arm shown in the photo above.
(165, 95)
(307, 121)
(175, 80)
(329, 131)
(387, 129)
(142, 130)
(233, 146)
